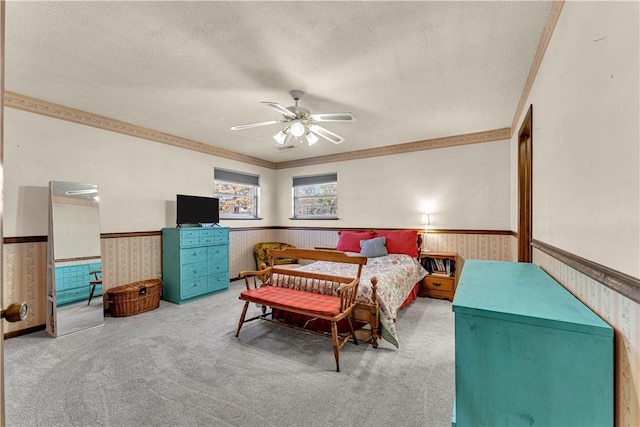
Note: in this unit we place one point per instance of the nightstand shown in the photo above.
(442, 280)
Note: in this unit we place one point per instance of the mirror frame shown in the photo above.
(73, 251)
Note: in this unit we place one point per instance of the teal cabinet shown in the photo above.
(195, 262)
(527, 352)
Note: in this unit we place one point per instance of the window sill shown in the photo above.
(241, 219)
(315, 219)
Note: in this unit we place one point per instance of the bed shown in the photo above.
(399, 273)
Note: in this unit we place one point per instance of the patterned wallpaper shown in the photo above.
(494, 247)
(24, 278)
(128, 259)
(623, 315)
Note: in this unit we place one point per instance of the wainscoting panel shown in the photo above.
(493, 247)
(24, 278)
(129, 257)
(309, 238)
(241, 248)
(623, 315)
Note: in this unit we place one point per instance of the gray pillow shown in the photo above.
(373, 247)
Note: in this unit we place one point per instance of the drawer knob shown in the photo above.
(436, 284)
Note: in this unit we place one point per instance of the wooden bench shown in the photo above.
(322, 296)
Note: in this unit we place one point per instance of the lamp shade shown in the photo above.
(311, 138)
(280, 138)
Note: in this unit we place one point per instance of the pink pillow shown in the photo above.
(400, 241)
(350, 240)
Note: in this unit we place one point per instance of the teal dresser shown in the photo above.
(73, 281)
(527, 352)
(195, 262)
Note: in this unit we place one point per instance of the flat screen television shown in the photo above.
(197, 210)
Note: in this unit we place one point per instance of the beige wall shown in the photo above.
(464, 187)
(586, 182)
(138, 179)
(586, 175)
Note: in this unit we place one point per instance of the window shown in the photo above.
(315, 197)
(238, 193)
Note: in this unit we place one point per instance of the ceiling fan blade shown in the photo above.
(254, 125)
(326, 134)
(280, 109)
(333, 117)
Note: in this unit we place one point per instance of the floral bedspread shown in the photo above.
(397, 275)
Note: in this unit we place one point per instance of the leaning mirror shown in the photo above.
(74, 276)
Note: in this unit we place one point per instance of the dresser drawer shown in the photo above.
(73, 295)
(207, 239)
(222, 236)
(193, 255)
(219, 265)
(193, 287)
(193, 270)
(217, 251)
(218, 281)
(438, 283)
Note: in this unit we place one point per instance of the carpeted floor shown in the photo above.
(181, 365)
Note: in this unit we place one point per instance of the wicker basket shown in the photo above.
(134, 298)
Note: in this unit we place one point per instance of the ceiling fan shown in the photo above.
(300, 122)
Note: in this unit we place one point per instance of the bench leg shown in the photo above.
(336, 345)
(353, 334)
(244, 313)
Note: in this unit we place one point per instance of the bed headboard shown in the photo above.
(351, 241)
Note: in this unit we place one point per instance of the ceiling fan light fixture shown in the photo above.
(311, 138)
(280, 137)
(297, 128)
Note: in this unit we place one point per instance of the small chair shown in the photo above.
(260, 251)
(97, 280)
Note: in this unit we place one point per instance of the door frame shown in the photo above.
(525, 188)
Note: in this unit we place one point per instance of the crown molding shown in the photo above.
(38, 106)
(45, 108)
(547, 32)
(427, 144)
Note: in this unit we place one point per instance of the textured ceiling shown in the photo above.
(409, 71)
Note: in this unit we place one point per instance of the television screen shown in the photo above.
(197, 210)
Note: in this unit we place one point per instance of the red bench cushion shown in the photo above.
(324, 305)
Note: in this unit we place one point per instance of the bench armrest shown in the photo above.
(256, 278)
(348, 293)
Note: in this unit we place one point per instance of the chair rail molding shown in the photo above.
(622, 283)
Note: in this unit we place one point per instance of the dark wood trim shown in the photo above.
(525, 187)
(452, 231)
(420, 230)
(35, 239)
(622, 283)
(32, 239)
(130, 234)
(26, 331)
(82, 258)
(24, 239)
